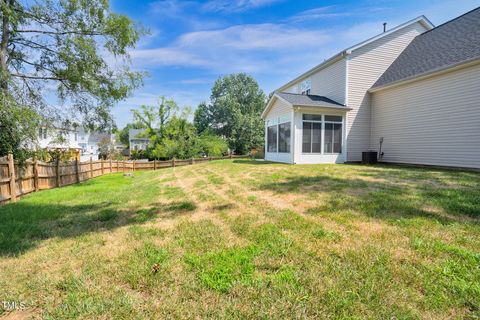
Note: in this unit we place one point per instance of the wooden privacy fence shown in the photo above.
(16, 180)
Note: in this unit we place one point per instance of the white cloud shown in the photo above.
(318, 13)
(236, 5)
(247, 48)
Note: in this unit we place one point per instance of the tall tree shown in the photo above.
(74, 49)
(154, 119)
(236, 104)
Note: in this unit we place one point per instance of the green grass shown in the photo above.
(245, 239)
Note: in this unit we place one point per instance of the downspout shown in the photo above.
(292, 141)
(345, 143)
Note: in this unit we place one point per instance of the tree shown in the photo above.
(172, 135)
(202, 118)
(106, 148)
(154, 119)
(234, 112)
(66, 45)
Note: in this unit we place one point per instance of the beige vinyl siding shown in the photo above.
(279, 109)
(365, 66)
(328, 82)
(435, 121)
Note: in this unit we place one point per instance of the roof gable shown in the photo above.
(450, 44)
(421, 19)
(303, 100)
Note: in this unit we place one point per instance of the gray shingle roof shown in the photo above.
(447, 45)
(309, 100)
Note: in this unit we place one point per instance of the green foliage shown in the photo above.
(236, 105)
(63, 45)
(173, 136)
(17, 126)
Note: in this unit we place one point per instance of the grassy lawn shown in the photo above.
(244, 239)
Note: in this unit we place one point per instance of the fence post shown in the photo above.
(35, 174)
(103, 171)
(13, 184)
(211, 158)
(154, 164)
(118, 166)
(231, 156)
(110, 165)
(133, 166)
(91, 168)
(192, 161)
(173, 162)
(57, 171)
(77, 171)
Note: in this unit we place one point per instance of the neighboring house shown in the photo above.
(137, 141)
(415, 87)
(79, 139)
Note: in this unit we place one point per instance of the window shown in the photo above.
(333, 134)
(272, 138)
(42, 133)
(312, 133)
(284, 137)
(305, 86)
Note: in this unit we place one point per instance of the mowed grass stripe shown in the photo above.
(246, 239)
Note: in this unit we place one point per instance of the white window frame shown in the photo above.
(333, 134)
(276, 122)
(311, 133)
(322, 133)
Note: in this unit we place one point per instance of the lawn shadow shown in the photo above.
(24, 225)
(386, 198)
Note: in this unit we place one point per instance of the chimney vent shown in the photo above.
(384, 26)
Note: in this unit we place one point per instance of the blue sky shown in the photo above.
(193, 43)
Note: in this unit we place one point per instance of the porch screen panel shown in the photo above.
(272, 139)
(333, 138)
(316, 137)
(307, 137)
(284, 137)
(337, 138)
(328, 147)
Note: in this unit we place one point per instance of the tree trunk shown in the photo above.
(4, 44)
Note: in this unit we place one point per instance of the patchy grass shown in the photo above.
(245, 239)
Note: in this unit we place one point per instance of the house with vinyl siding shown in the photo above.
(411, 93)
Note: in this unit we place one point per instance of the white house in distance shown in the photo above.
(137, 141)
(415, 87)
(79, 138)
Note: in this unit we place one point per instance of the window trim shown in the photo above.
(322, 134)
(311, 134)
(276, 122)
(333, 135)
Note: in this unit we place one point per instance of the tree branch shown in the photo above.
(90, 33)
(26, 76)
